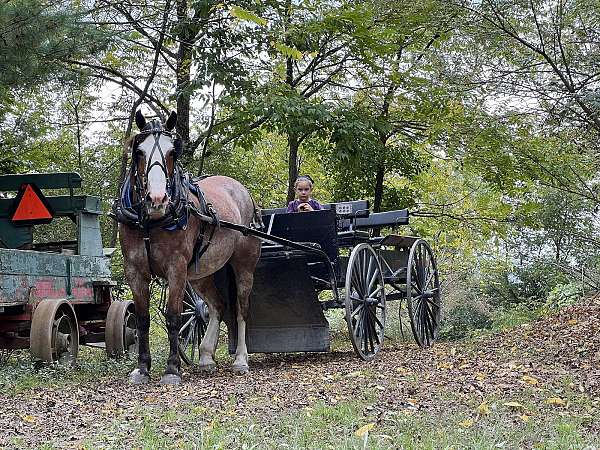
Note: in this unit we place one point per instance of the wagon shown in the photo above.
(57, 295)
(336, 251)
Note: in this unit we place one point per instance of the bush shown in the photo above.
(563, 295)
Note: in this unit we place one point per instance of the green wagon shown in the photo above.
(55, 296)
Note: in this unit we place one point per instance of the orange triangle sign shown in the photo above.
(32, 206)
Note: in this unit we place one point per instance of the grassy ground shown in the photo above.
(533, 385)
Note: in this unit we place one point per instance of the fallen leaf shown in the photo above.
(29, 419)
(483, 409)
(572, 322)
(515, 405)
(467, 423)
(530, 380)
(556, 401)
(524, 418)
(479, 376)
(364, 429)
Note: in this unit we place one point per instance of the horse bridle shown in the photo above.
(156, 129)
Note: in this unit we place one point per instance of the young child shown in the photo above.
(303, 202)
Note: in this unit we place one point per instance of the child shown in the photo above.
(303, 187)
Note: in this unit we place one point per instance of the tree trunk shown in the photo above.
(378, 188)
(184, 63)
(122, 172)
(292, 164)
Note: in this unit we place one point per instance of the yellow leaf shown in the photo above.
(515, 405)
(480, 376)
(572, 322)
(364, 429)
(483, 409)
(403, 371)
(556, 401)
(530, 380)
(467, 423)
(445, 366)
(29, 419)
(524, 418)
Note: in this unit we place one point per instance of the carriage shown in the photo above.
(327, 259)
(56, 295)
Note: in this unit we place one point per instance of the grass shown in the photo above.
(335, 427)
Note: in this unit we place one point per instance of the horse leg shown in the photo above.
(141, 298)
(172, 373)
(208, 291)
(243, 265)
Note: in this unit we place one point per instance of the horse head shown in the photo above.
(155, 150)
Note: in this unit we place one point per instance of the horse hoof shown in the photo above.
(241, 369)
(208, 368)
(137, 377)
(170, 379)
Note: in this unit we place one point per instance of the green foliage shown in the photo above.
(563, 295)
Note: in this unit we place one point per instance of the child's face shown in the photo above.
(303, 190)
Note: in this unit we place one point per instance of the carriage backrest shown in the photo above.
(318, 227)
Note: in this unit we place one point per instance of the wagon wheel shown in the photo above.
(54, 335)
(121, 329)
(365, 301)
(194, 319)
(423, 293)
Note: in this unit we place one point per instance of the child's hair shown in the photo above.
(304, 178)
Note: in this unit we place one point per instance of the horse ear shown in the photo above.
(140, 120)
(171, 121)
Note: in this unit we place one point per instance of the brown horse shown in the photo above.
(150, 249)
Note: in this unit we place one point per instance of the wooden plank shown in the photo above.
(42, 180)
(63, 205)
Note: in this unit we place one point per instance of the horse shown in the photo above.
(159, 234)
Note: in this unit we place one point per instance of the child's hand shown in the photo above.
(304, 207)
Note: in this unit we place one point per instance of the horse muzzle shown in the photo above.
(156, 211)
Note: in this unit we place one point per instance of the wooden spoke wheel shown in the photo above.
(365, 301)
(194, 320)
(423, 294)
(121, 329)
(54, 335)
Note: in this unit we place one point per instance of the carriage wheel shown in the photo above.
(423, 294)
(194, 320)
(54, 335)
(121, 329)
(365, 301)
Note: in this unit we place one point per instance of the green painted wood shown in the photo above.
(89, 236)
(63, 205)
(14, 237)
(28, 276)
(60, 180)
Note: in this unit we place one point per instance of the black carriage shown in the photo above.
(334, 250)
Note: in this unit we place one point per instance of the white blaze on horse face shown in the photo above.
(157, 179)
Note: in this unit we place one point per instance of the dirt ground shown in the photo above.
(550, 359)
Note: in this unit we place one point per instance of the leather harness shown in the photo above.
(134, 213)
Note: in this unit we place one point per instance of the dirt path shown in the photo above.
(552, 361)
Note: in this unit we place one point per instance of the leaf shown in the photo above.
(483, 409)
(530, 380)
(572, 322)
(479, 376)
(467, 423)
(364, 429)
(29, 419)
(515, 405)
(290, 52)
(556, 401)
(524, 417)
(242, 14)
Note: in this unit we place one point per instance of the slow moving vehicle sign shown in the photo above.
(31, 207)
